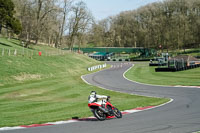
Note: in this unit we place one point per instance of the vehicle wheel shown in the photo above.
(117, 113)
(99, 114)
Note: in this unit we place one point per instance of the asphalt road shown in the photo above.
(180, 116)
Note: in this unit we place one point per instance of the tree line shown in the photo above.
(171, 24)
(54, 22)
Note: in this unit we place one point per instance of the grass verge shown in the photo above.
(145, 74)
(49, 88)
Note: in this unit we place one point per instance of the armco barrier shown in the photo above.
(96, 67)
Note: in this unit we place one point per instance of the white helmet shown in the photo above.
(93, 93)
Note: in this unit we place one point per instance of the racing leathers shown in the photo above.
(99, 99)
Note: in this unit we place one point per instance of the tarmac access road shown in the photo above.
(180, 116)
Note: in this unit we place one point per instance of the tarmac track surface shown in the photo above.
(180, 116)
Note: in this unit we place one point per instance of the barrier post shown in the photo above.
(3, 52)
(9, 52)
(15, 52)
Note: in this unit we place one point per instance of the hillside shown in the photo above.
(40, 89)
(17, 69)
(36, 86)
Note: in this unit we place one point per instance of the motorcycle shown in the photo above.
(101, 112)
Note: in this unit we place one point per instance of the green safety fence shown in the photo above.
(142, 51)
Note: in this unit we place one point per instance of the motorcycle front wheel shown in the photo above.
(117, 113)
(99, 114)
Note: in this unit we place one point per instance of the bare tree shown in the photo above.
(79, 22)
(35, 16)
(42, 9)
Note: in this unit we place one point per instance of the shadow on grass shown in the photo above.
(28, 46)
(16, 43)
(5, 44)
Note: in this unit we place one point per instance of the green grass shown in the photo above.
(49, 88)
(13, 44)
(145, 74)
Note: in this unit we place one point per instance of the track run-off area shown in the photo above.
(180, 115)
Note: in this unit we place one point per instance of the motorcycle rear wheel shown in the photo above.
(117, 113)
(99, 114)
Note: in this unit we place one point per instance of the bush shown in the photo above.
(114, 59)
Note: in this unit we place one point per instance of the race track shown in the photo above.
(180, 116)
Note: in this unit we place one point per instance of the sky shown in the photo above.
(104, 8)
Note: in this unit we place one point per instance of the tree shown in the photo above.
(64, 11)
(97, 34)
(42, 9)
(79, 22)
(174, 24)
(40, 20)
(7, 19)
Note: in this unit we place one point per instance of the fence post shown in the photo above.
(9, 52)
(3, 52)
(15, 52)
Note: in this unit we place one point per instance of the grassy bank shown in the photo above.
(145, 74)
(50, 88)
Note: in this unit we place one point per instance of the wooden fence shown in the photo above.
(30, 53)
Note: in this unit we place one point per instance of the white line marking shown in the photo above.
(11, 128)
(62, 122)
(171, 100)
(131, 111)
(72, 121)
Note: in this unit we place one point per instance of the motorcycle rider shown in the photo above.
(99, 99)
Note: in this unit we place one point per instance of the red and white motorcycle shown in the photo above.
(101, 113)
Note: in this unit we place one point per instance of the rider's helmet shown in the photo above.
(93, 93)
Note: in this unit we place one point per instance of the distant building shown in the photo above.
(101, 55)
(179, 63)
(187, 59)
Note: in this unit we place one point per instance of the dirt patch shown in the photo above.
(25, 77)
(12, 95)
(9, 61)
